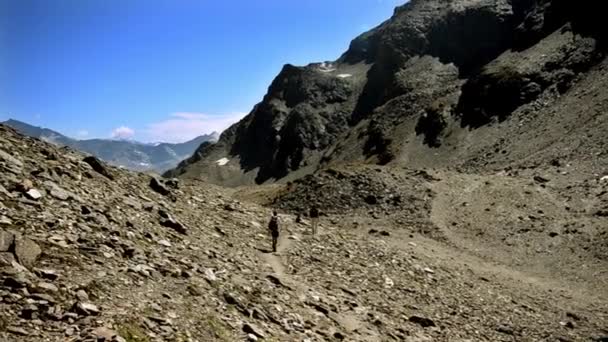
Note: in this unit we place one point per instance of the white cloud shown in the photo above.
(184, 126)
(83, 133)
(122, 132)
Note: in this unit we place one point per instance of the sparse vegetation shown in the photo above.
(132, 332)
(219, 329)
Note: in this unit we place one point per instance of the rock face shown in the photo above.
(420, 89)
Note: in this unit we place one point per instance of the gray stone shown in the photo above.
(252, 329)
(33, 194)
(422, 321)
(210, 275)
(17, 281)
(70, 331)
(135, 204)
(47, 274)
(59, 193)
(164, 243)
(86, 309)
(46, 288)
(27, 252)
(82, 295)
(158, 185)
(6, 259)
(5, 192)
(5, 221)
(6, 240)
(173, 224)
(98, 167)
(17, 331)
(10, 159)
(43, 297)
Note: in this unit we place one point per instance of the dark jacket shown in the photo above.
(314, 212)
(273, 225)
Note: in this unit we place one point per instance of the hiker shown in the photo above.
(314, 218)
(273, 226)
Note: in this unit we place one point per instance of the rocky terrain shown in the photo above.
(94, 253)
(461, 175)
(132, 155)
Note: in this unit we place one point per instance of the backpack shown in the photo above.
(314, 212)
(273, 225)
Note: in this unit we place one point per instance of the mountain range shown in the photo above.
(131, 155)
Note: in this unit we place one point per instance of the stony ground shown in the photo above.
(93, 253)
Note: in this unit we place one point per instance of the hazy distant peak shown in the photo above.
(128, 153)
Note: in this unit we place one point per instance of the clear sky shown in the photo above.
(161, 70)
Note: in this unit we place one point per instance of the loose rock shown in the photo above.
(27, 252)
(6, 240)
(98, 167)
(158, 185)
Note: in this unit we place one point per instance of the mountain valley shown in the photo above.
(458, 154)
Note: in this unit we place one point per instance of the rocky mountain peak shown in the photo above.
(428, 74)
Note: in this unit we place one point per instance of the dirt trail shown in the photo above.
(274, 259)
(465, 201)
(346, 320)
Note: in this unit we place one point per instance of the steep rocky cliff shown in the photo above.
(462, 83)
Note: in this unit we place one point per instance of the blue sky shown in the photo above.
(157, 70)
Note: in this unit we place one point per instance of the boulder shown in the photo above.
(27, 252)
(159, 186)
(253, 330)
(85, 309)
(10, 159)
(57, 192)
(43, 287)
(172, 183)
(6, 240)
(173, 224)
(422, 321)
(33, 194)
(5, 221)
(98, 167)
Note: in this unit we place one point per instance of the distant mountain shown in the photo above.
(132, 155)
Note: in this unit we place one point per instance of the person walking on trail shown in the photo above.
(273, 227)
(314, 218)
